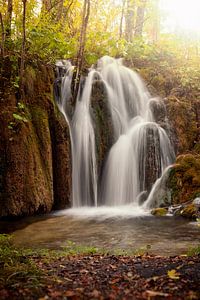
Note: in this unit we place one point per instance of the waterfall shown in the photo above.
(141, 151)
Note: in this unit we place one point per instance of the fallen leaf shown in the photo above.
(69, 293)
(173, 274)
(150, 294)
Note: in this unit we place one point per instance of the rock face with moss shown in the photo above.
(35, 170)
(183, 118)
(102, 120)
(184, 179)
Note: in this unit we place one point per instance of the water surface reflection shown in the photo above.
(110, 228)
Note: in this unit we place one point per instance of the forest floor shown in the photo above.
(96, 276)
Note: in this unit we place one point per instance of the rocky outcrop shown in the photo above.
(150, 168)
(184, 179)
(183, 116)
(35, 170)
(102, 120)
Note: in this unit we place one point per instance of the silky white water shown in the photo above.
(140, 144)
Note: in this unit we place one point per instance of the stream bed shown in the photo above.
(107, 227)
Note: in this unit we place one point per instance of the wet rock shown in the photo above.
(104, 132)
(159, 211)
(196, 202)
(150, 168)
(142, 197)
(189, 212)
(158, 110)
(184, 179)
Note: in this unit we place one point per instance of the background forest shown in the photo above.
(141, 31)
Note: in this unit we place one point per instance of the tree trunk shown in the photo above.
(9, 18)
(85, 19)
(129, 18)
(121, 20)
(23, 49)
(140, 18)
(60, 10)
(156, 22)
(46, 5)
(2, 35)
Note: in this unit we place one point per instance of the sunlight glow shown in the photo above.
(182, 14)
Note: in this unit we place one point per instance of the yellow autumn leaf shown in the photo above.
(173, 274)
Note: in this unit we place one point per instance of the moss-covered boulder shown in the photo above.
(189, 212)
(159, 211)
(184, 179)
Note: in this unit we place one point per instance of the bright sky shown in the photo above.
(182, 14)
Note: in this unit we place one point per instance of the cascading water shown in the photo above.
(141, 150)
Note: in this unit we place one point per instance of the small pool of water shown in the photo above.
(112, 228)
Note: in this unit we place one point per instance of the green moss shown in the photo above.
(197, 148)
(190, 212)
(16, 264)
(160, 211)
(185, 127)
(194, 251)
(184, 178)
(29, 79)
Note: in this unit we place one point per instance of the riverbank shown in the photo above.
(67, 274)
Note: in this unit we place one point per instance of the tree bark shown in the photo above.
(140, 18)
(85, 19)
(60, 10)
(46, 5)
(9, 18)
(121, 20)
(129, 18)
(156, 22)
(23, 49)
(2, 35)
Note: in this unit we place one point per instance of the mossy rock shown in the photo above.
(184, 179)
(189, 212)
(159, 211)
(102, 120)
(184, 125)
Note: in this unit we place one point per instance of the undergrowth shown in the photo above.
(20, 265)
(194, 251)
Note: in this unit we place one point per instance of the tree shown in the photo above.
(85, 19)
(129, 20)
(23, 48)
(155, 21)
(59, 10)
(9, 18)
(2, 35)
(46, 5)
(122, 18)
(140, 18)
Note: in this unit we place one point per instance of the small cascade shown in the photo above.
(159, 195)
(141, 151)
(84, 177)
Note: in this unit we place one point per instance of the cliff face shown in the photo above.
(35, 170)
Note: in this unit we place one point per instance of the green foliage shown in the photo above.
(20, 118)
(72, 248)
(49, 44)
(194, 251)
(16, 264)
